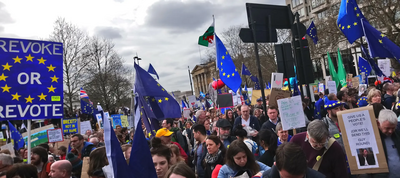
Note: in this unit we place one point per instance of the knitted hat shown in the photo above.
(75, 161)
(362, 102)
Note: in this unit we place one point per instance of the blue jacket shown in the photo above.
(227, 172)
(254, 123)
(85, 145)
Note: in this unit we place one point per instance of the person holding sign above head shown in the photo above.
(331, 120)
(323, 154)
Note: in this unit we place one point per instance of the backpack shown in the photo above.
(86, 152)
(253, 146)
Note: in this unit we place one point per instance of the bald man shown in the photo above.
(61, 169)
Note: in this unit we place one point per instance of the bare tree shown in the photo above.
(74, 42)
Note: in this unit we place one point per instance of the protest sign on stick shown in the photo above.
(84, 126)
(362, 142)
(55, 135)
(332, 87)
(277, 94)
(291, 112)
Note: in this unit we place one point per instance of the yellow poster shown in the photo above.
(124, 121)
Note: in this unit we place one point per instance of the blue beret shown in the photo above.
(362, 102)
(332, 104)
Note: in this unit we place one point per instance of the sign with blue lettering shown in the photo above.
(70, 126)
(31, 79)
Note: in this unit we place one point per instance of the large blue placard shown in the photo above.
(31, 79)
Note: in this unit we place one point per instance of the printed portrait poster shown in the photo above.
(362, 141)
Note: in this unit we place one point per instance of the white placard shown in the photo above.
(186, 113)
(9, 147)
(312, 94)
(291, 112)
(384, 65)
(192, 100)
(332, 87)
(276, 80)
(321, 88)
(360, 134)
(99, 120)
(55, 135)
(85, 125)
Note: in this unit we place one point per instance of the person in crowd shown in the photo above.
(229, 116)
(22, 170)
(388, 98)
(80, 147)
(319, 106)
(180, 170)
(61, 169)
(100, 136)
(374, 96)
(118, 129)
(127, 149)
(161, 155)
(165, 136)
(237, 112)
(390, 137)
(331, 121)
(200, 116)
(207, 125)
(125, 134)
(40, 160)
(62, 152)
(239, 160)
(88, 133)
(247, 120)
(268, 141)
(76, 164)
(316, 142)
(342, 97)
(120, 138)
(241, 134)
(223, 131)
(283, 135)
(332, 97)
(307, 110)
(175, 155)
(188, 133)
(272, 113)
(291, 162)
(94, 141)
(199, 134)
(50, 158)
(214, 156)
(98, 159)
(258, 112)
(6, 162)
(352, 98)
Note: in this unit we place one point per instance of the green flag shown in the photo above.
(207, 39)
(332, 70)
(341, 71)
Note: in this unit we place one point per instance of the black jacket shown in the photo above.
(274, 173)
(254, 123)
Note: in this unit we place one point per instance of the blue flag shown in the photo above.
(363, 66)
(141, 162)
(379, 45)
(246, 96)
(312, 32)
(16, 137)
(183, 104)
(296, 90)
(372, 62)
(162, 103)
(349, 20)
(202, 94)
(245, 71)
(227, 70)
(86, 107)
(148, 117)
(151, 70)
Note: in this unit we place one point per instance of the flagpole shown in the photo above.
(190, 79)
(29, 140)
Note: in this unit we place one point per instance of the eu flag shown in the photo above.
(246, 96)
(372, 62)
(349, 20)
(363, 66)
(312, 32)
(227, 70)
(379, 45)
(162, 103)
(148, 117)
(16, 137)
(151, 70)
(245, 71)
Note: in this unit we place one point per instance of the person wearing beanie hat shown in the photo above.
(76, 164)
(40, 160)
(331, 120)
(362, 102)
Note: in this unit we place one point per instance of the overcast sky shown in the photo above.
(161, 32)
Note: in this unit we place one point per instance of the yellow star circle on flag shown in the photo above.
(42, 97)
(17, 59)
(6, 67)
(54, 79)
(51, 89)
(3, 77)
(6, 88)
(51, 68)
(41, 60)
(29, 99)
(29, 58)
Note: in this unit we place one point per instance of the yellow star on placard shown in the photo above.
(29, 58)
(51, 89)
(160, 100)
(29, 99)
(6, 67)
(54, 79)
(17, 59)
(51, 68)
(16, 96)
(166, 99)
(6, 88)
(42, 97)
(41, 60)
(3, 77)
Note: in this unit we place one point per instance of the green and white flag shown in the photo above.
(207, 39)
(341, 71)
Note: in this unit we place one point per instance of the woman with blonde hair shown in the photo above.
(374, 96)
(175, 155)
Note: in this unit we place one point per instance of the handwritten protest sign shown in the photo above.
(124, 121)
(361, 139)
(277, 94)
(55, 135)
(85, 125)
(291, 112)
(332, 87)
(70, 126)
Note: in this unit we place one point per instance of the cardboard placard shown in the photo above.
(55, 135)
(332, 87)
(257, 94)
(9, 147)
(291, 112)
(116, 120)
(360, 132)
(38, 135)
(99, 120)
(63, 143)
(85, 167)
(277, 94)
(84, 126)
(355, 81)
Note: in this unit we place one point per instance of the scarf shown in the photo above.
(212, 159)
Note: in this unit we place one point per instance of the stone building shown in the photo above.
(202, 76)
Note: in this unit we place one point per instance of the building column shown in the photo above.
(323, 67)
(205, 83)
